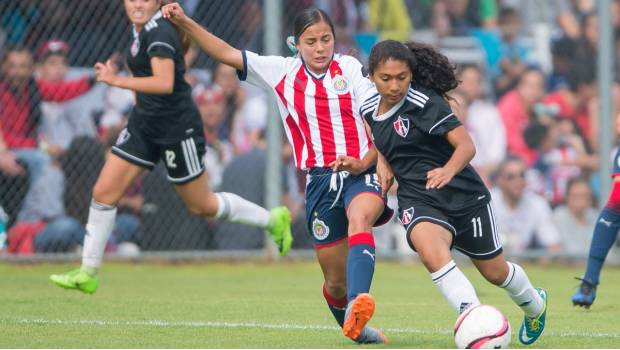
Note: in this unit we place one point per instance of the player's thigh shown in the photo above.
(114, 179)
(364, 203)
(333, 262)
(477, 234)
(429, 233)
(363, 211)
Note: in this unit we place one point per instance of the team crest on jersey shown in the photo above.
(319, 229)
(135, 47)
(407, 216)
(340, 84)
(123, 137)
(401, 125)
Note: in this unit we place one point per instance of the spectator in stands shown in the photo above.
(514, 54)
(561, 156)
(459, 17)
(517, 111)
(225, 80)
(574, 101)
(587, 44)
(212, 107)
(61, 121)
(42, 224)
(576, 219)
(555, 13)
(524, 219)
(482, 120)
(21, 97)
(390, 19)
(563, 53)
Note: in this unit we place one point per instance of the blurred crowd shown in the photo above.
(528, 96)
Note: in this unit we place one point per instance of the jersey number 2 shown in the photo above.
(477, 223)
(170, 156)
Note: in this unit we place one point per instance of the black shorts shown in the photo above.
(474, 233)
(183, 158)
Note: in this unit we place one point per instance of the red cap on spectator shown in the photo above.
(52, 47)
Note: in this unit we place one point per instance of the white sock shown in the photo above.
(101, 218)
(521, 291)
(233, 208)
(455, 287)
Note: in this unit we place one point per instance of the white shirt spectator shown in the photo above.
(531, 218)
(485, 126)
(576, 236)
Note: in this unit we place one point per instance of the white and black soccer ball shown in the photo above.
(482, 327)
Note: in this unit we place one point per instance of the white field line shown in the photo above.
(210, 324)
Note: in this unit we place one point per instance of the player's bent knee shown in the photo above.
(360, 221)
(105, 194)
(336, 288)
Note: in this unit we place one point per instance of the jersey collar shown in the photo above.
(155, 17)
(389, 113)
(315, 76)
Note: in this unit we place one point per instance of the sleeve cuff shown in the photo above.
(243, 74)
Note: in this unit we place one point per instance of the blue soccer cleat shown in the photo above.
(585, 295)
(533, 327)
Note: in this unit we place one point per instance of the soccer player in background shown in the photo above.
(443, 202)
(164, 124)
(604, 237)
(318, 94)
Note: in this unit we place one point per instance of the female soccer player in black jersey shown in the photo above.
(442, 201)
(164, 124)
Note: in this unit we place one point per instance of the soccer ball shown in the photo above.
(482, 327)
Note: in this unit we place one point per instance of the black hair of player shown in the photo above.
(432, 69)
(385, 50)
(185, 40)
(308, 17)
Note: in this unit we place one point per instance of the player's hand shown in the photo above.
(174, 12)
(438, 178)
(386, 177)
(346, 163)
(105, 73)
(9, 165)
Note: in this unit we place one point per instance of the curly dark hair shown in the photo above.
(432, 69)
(429, 68)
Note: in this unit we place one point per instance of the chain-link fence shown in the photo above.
(57, 125)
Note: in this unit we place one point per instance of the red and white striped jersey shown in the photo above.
(320, 113)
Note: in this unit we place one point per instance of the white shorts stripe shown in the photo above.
(188, 162)
(194, 154)
(492, 226)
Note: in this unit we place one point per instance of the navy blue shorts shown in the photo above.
(328, 196)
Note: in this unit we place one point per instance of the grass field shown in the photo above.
(269, 305)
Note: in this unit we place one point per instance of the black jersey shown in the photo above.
(412, 138)
(162, 116)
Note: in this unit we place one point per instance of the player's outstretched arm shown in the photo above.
(215, 47)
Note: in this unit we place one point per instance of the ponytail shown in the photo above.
(432, 69)
(185, 40)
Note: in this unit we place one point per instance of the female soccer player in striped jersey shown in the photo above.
(164, 124)
(318, 94)
(442, 200)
